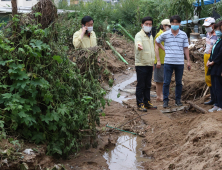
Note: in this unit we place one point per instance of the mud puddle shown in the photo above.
(127, 154)
(115, 90)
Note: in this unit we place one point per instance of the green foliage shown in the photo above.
(219, 10)
(44, 97)
(129, 13)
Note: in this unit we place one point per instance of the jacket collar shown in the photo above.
(144, 34)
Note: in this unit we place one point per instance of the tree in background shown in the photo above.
(14, 7)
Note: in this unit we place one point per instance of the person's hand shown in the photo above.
(221, 74)
(83, 31)
(140, 47)
(188, 66)
(158, 64)
(208, 63)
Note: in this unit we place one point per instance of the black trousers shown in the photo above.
(144, 77)
(217, 89)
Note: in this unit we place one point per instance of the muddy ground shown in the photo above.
(182, 139)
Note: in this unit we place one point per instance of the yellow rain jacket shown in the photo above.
(146, 56)
(86, 42)
(207, 77)
(161, 52)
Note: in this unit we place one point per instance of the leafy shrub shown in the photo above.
(44, 96)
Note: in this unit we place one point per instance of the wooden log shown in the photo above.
(197, 107)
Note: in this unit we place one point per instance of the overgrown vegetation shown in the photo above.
(129, 13)
(44, 96)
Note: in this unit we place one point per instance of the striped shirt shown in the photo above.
(210, 41)
(174, 46)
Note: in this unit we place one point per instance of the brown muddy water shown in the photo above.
(115, 90)
(127, 154)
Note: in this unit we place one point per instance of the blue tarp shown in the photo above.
(206, 2)
(189, 21)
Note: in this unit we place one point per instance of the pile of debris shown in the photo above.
(197, 48)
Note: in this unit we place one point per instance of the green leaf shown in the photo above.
(2, 124)
(87, 97)
(62, 109)
(10, 139)
(57, 58)
(55, 116)
(52, 127)
(118, 95)
(12, 71)
(36, 44)
(47, 118)
(38, 137)
(21, 50)
(7, 95)
(36, 109)
(22, 114)
(37, 14)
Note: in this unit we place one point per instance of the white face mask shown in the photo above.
(90, 29)
(147, 29)
(167, 28)
(209, 29)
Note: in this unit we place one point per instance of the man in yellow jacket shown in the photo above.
(144, 60)
(85, 37)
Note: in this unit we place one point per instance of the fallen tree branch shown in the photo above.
(206, 91)
(197, 107)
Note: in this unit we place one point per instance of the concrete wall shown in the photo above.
(20, 3)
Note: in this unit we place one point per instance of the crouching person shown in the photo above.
(85, 37)
(144, 60)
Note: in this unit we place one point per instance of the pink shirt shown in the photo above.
(210, 41)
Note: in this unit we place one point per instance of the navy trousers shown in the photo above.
(216, 82)
(144, 77)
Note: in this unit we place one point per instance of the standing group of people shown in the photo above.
(213, 62)
(170, 46)
(165, 54)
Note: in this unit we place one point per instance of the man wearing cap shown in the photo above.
(211, 39)
(85, 37)
(159, 60)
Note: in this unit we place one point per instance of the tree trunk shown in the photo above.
(14, 7)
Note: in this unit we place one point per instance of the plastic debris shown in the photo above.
(28, 151)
